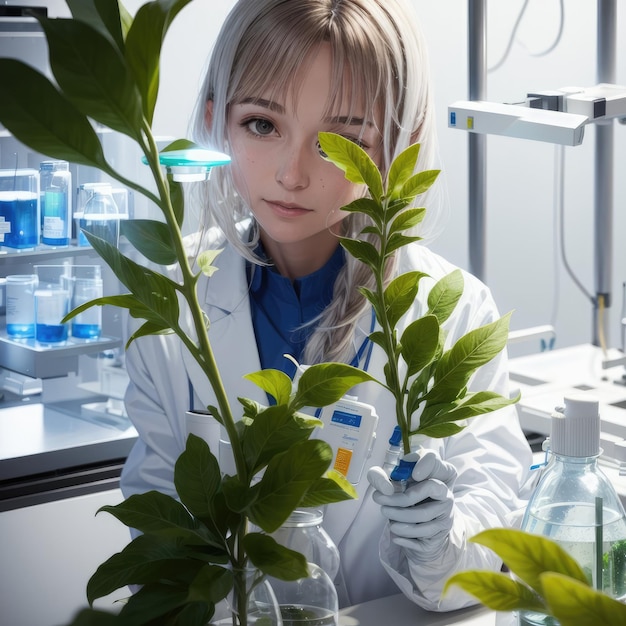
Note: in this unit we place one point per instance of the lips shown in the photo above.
(286, 208)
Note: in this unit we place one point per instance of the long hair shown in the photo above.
(378, 57)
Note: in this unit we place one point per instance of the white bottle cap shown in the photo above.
(576, 430)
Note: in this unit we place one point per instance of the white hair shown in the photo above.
(379, 58)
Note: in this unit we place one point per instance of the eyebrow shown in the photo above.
(344, 120)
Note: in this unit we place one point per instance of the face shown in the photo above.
(279, 169)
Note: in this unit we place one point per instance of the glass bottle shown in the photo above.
(574, 498)
(101, 216)
(55, 181)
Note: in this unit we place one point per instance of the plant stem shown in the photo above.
(202, 352)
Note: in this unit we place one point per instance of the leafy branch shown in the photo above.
(420, 373)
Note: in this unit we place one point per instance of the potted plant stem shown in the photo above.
(192, 550)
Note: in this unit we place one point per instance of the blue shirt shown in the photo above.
(281, 306)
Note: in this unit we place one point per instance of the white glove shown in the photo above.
(420, 517)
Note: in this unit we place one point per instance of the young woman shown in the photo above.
(281, 72)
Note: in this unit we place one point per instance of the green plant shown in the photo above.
(106, 66)
(419, 372)
(547, 580)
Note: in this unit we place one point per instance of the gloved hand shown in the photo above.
(420, 518)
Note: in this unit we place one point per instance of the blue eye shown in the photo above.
(319, 149)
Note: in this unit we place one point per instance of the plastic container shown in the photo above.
(19, 208)
(55, 180)
(392, 455)
(575, 503)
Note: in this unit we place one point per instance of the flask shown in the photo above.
(55, 181)
(101, 216)
(574, 500)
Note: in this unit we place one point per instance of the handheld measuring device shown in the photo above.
(350, 430)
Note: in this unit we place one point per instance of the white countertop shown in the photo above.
(399, 611)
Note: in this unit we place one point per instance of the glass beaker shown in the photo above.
(86, 285)
(52, 304)
(20, 305)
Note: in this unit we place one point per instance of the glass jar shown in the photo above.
(101, 216)
(312, 600)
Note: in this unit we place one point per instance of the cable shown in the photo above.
(516, 26)
(560, 176)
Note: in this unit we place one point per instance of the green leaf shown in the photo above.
(274, 559)
(92, 74)
(273, 430)
(364, 251)
(439, 430)
(211, 585)
(528, 556)
(353, 161)
(418, 184)
(445, 294)
(197, 476)
(143, 47)
(333, 487)
(151, 238)
(576, 604)
(400, 295)
(407, 219)
(369, 207)
(155, 603)
(419, 343)
(58, 129)
(496, 591)
(103, 15)
(470, 352)
(154, 291)
(156, 513)
(287, 478)
(325, 383)
(478, 403)
(396, 241)
(144, 560)
(274, 382)
(206, 259)
(402, 169)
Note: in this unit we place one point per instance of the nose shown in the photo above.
(292, 172)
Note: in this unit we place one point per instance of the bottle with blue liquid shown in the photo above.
(55, 181)
(19, 208)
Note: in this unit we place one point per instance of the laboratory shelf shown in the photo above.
(32, 359)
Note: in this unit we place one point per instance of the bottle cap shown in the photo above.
(575, 430)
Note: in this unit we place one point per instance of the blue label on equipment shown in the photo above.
(347, 419)
(452, 118)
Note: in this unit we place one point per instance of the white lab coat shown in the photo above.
(491, 455)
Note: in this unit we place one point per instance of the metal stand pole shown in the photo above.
(477, 155)
(603, 175)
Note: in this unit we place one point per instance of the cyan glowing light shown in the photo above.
(192, 164)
